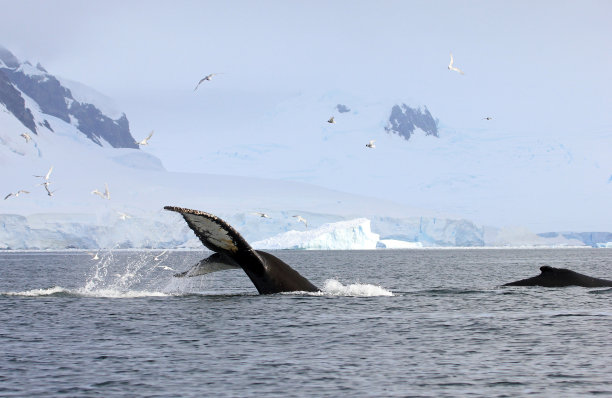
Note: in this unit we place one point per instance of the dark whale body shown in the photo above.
(268, 273)
(560, 277)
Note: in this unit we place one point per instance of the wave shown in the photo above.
(55, 290)
(101, 293)
(331, 287)
(448, 291)
(600, 291)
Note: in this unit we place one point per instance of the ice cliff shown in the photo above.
(344, 235)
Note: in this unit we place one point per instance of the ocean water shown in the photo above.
(405, 323)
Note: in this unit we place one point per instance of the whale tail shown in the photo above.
(213, 263)
(215, 234)
(268, 273)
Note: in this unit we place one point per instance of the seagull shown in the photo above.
(16, 193)
(158, 257)
(487, 118)
(95, 256)
(205, 78)
(301, 219)
(451, 67)
(165, 267)
(46, 184)
(331, 120)
(105, 195)
(146, 140)
(262, 215)
(26, 136)
(371, 144)
(46, 177)
(122, 216)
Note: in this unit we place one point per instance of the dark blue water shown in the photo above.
(429, 323)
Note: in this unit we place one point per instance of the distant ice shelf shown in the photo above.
(343, 235)
(398, 244)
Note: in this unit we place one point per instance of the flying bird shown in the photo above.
(122, 216)
(204, 79)
(46, 177)
(301, 219)
(451, 67)
(146, 140)
(94, 256)
(15, 194)
(164, 267)
(262, 215)
(46, 184)
(26, 136)
(158, 257)
(371, 144)
(105, 195)
(487, 118)
(331, 120)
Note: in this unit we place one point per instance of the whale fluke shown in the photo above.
(561, 277)
(214, 263)
(268, 273)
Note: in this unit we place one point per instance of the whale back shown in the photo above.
(561, 277)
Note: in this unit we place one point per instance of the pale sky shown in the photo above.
(541, 68)
(547, 61)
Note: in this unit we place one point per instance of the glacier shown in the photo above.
(343, 235)
(398, 244)
(140, 185)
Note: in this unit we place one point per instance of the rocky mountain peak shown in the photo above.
(404, 120)
(54, 98)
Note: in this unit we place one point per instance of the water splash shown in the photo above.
(335, 288)
(130, 278)
(143, 274)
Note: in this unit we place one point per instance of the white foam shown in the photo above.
(335, 288)
(114, 293)
(38, 292)
(102, 293)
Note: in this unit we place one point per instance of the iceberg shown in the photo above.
(343, 235)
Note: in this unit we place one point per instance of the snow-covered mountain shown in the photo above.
(80, 134)
(79, 137)
(24, 87)
(480, 171)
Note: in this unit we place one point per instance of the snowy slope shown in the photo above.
(479, 171)
(295, 162)
(139, 187)
(90, 112)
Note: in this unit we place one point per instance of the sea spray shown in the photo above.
(335, 288)
(131, 277)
